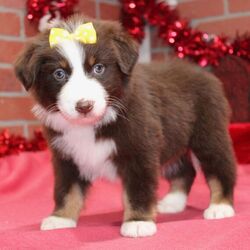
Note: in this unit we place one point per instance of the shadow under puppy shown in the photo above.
(106, 116)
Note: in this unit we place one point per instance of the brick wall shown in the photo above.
(15, 104)
(213, 16)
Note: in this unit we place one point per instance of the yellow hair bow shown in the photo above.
(84, 33)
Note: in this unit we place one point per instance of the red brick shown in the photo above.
(87, 7)
(109, 11)
(20, 4)
(8, 81)
(239, 5)
(9, 50)
(16, 108)
(201, 8)
(31, 29)
(227, 26)
(16, 130)
(158, 56)
(13, 21)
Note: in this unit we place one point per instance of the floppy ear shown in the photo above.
(126, 50)
(25, 66)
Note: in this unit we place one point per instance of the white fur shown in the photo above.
(138, 229)
(91, 156)
(79, 142)
(218, 211)
(173, 203)
(53, 120)
(79, 86)
(110, 116)
(55, 222)
(56, 121)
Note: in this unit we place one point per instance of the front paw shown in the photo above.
(55, 222)
(218, 211)
(138, 228)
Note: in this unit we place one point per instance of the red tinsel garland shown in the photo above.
(14, 144)
(36, 9)
(203, 48)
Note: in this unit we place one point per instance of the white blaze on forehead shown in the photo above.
(73, 52)
(79, 86)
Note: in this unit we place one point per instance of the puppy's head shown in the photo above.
(79, 81)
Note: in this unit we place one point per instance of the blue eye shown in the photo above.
(60, 75)
(98, 69)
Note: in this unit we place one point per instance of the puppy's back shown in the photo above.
(183, 84)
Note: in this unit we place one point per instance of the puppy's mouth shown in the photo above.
(89, 119)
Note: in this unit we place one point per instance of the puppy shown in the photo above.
(106, 116)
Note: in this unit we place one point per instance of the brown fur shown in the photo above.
(136, 214)
(181, 174)
(72, 204)
(170, 108)
(216, 190)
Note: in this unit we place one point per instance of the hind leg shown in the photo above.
(215, 153)
(181, 176)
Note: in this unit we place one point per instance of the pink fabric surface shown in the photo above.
(26, 197)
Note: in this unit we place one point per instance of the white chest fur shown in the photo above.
(92, 157)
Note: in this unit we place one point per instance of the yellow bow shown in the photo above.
(84, 33)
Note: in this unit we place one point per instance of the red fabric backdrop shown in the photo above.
(234, 72)
(26, 197)
(240, 134)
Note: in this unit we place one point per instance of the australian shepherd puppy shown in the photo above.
(107, 116)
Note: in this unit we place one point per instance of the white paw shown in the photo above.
(138, 228)
(172, 203)
(55, 222)
(218, 211)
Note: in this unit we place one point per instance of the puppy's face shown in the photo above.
(79, 81)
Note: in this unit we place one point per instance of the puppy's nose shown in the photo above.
(84, 107)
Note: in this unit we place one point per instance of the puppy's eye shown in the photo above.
(99, 69)
(60, 75)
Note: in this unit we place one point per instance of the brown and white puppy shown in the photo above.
(106, 116)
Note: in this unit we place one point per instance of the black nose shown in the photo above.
(84, 107)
